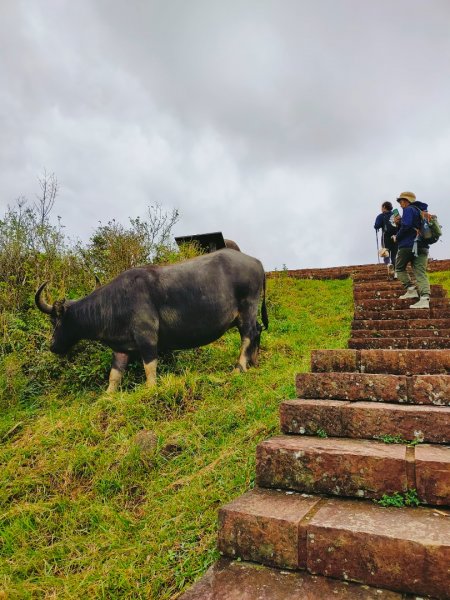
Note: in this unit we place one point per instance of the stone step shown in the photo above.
(404, 324)
(397, 304)
(395, 362)
(353, 468)
(239, 580)
(404, 343)
(386, 293)
(378, 270)
(405, 550)
(403, 315)
(393, 284)
(400, 333)
(366, 420)
(370, 277)
(415, 389)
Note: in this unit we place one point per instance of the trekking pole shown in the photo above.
(378, 249)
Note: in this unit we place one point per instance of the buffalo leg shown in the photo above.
(150, 372)
(119, 364)
(242, 362)
(250, 335)
(149, 354)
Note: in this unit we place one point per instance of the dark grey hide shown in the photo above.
(159, 308)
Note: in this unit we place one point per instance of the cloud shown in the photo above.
(283, 125)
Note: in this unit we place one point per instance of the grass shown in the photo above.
(441, 278)
(87, 510)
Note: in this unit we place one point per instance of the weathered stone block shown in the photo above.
(404, 343)
(266, 526)
(405, 362)
(373, 420)
(228, 580)
(400, 333)
(352, 386)
(399, 549)
(405, 314)
(397, 304)
(431, 389)
(377, 361)
(433, 474)
(333, 360)
(389, 291)
(355, 468)
(411, 324)
(309, 416)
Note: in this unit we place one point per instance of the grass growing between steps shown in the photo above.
(86, 511)
(441, 278)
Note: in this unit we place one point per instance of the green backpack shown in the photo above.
(430, 230)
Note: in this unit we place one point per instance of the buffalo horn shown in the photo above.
(40, 303)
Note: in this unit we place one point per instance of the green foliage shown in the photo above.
(113, 248)
(398, 439)
(441, 278)
(391, 439)
(321, 433)
(398, 499)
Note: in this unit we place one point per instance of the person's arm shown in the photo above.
(379, 222)
(407, 223)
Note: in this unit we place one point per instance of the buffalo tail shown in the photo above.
(264, 317)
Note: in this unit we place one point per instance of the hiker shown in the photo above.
(412, 250)
(385, 222)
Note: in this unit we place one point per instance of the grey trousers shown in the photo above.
(419, 265)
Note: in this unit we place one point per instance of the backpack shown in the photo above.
(430, 230)
(388, 228)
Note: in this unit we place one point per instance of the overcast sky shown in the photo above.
(284, 124)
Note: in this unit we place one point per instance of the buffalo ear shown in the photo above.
(59, 307)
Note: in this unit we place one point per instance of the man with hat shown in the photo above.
(412, 250)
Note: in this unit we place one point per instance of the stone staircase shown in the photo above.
(313, 526)
(369, 272)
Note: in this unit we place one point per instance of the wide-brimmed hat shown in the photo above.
(409, 196)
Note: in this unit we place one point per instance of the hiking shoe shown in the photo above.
(411, 292)
(424, 302)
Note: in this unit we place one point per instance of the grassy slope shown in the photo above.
(84, 512)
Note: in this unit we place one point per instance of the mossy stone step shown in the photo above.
(381, 304)
(402, 315)
(375, 387)
(238, 580)
(417, 323)
(395, 362)
(402, 343)
(352, 468)
(400, 333)
(392, 292)
(366, 420)
(405, 550)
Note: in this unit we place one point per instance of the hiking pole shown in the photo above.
(378, 249)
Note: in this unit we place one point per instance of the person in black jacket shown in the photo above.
(388, 229)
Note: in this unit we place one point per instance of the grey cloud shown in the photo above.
(283, 124)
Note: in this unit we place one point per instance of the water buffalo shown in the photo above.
(152, 309)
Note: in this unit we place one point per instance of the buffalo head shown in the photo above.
(64, 335)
